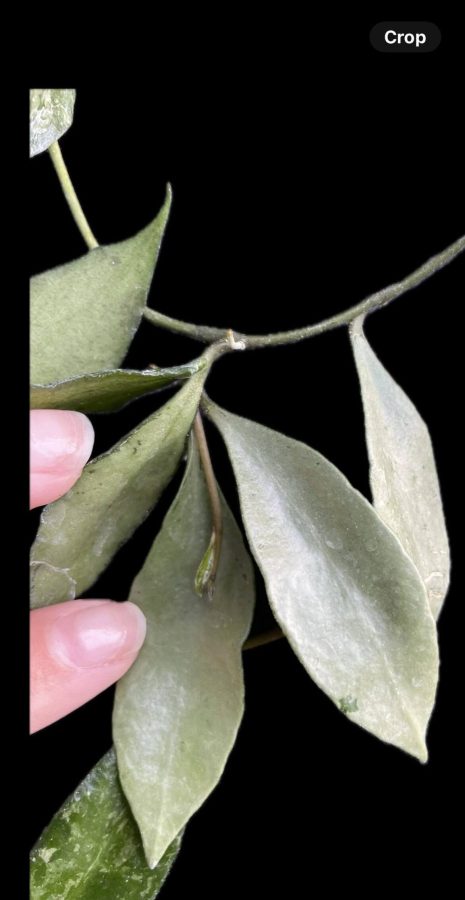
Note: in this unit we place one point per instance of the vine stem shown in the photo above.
(206, 334)
(215, 502)
(71, 196)
(266, 637)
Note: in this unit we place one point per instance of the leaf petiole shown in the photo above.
(71, 196)
(265, 637)
(206, 574)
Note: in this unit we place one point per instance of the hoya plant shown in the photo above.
(355, 585)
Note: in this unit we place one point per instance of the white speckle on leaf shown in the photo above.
(47, 852)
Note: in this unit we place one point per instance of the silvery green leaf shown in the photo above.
(178, 709)
(80, 533)
(107, 391)
(345, 594)
(85, 313)
(403, 474)
(92, 849)
(50, 115)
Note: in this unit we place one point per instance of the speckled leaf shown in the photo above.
(80, 533)
(107, 391)
(348, 598)
(178, 709)
(84, 314)
(403, 474)
(92, 849)
(50, 115)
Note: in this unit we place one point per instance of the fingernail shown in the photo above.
(97, 634)
(60, 440)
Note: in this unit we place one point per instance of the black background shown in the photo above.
(299, 188)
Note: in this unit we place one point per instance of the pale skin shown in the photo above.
(80, 647)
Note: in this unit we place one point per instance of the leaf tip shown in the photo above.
(416, 746)
(423, 755)
(154, 852)
(163, 214)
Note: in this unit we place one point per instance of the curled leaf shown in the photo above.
(203, 575)
(178, 709)
(403, 475)
(107, 391)
(344, 592)
(84, 314)
(92, 849)
(80, 533)
(50, 115)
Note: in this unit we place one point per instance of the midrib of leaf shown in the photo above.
(172, 742)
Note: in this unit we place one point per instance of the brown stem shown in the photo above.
(266, 637)
(215, 503)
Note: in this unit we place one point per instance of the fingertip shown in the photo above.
(78, 649)
(45, 488)
(61, 443)
(96, 634)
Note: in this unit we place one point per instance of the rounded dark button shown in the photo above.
(405, 37)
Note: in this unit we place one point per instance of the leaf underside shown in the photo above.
(403, 475)
(80, 533)
(178, 709)
(50, 116)
(347, 597)
(85, 313)
(107, 391)
(92, 849)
